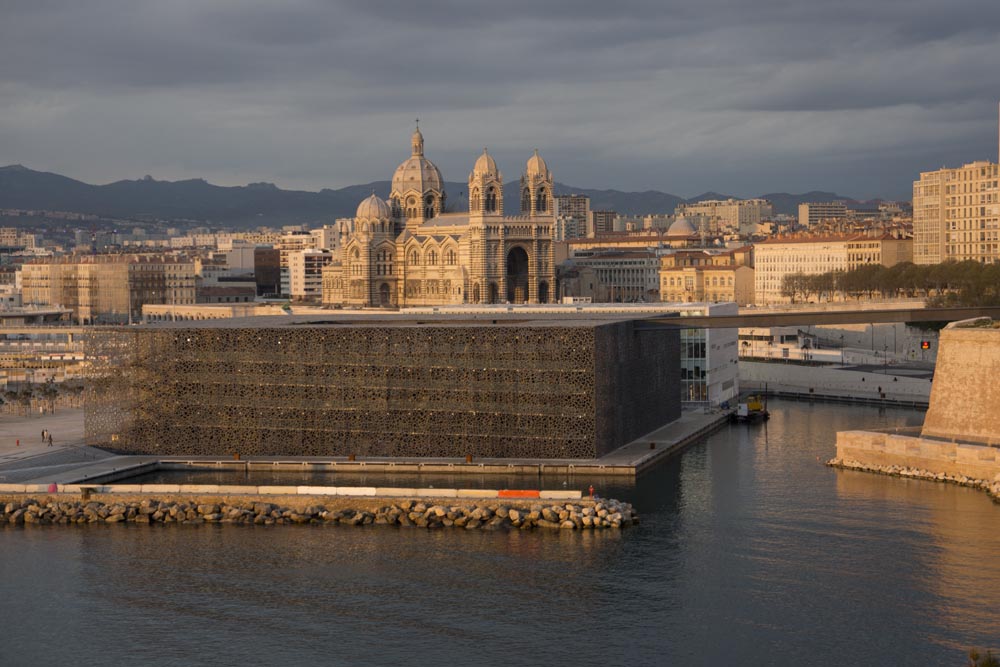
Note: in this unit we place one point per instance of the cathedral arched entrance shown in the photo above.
(494, 293)
(543, 292)
(517, 275)
(384, 295)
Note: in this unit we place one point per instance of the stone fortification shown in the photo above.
(960, 438)
(530, 388)
(890, 449)
(965, 396)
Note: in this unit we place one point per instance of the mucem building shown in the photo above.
(381, 386)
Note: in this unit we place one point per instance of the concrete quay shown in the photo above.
(72, 463)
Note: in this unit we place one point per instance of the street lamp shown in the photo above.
(841, 349)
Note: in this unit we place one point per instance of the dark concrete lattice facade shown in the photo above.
(572, 391)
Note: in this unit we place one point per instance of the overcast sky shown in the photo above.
(738, 96)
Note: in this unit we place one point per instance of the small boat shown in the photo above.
(754, 409)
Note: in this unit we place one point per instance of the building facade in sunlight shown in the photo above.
(410, 250)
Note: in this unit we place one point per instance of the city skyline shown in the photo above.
(661, 96)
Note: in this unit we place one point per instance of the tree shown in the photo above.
(977, 659)
(50, 392)
(24, 397)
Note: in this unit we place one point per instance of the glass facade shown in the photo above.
(694, 366)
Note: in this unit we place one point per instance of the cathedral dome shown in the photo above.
(417, 172)
(536, 166)
(373, 208)
(485, 166)
(681, 227)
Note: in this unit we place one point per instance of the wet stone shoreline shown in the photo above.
(992, 488)
(601, 514)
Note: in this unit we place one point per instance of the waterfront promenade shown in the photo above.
(71, 462)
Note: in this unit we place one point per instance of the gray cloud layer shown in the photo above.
(731, 95)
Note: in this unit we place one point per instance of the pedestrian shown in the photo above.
(44, 433)
(50, 439)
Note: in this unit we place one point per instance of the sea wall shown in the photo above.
(875, 449)
(956, 441)
(793, 378)
(61, 509)
(990, 487)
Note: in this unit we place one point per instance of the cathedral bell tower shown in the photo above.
(485, 187)
(536, 187)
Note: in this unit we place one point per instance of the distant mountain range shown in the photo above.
(266, 204)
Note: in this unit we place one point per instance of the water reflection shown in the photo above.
(960, 562)
(749, 552)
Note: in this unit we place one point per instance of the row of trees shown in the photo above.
(966, 283)
(46, 392)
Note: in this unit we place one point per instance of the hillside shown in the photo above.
(266, 204)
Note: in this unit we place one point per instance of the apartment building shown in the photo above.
(811, 255)
(575, 209)
(108, 289)
(811, 214)
(729, 215)
(956, 214)
(305, 271)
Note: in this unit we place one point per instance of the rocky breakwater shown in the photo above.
(600, 514)
(990, 487)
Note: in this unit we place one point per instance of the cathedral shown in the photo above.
(410, 250)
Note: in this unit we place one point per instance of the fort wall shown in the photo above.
(960, 438)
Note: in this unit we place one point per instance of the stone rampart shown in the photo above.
(965, 398)
(890, 449)
(962, 424)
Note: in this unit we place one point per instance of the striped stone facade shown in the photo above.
(409, 251)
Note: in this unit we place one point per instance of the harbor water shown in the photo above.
(750, 551)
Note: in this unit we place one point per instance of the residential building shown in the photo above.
(108, 288)
(778, 257)
(956, 214)
(728, 215)
(812, 213)
(576, 207)
(602, 222)
(305, 269)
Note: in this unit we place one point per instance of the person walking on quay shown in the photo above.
(44, 433)
(50, 439)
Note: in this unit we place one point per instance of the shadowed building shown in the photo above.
(539, 387)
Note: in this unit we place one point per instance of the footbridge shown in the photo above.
(818, 317)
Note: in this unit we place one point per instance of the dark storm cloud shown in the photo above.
(728, 95)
